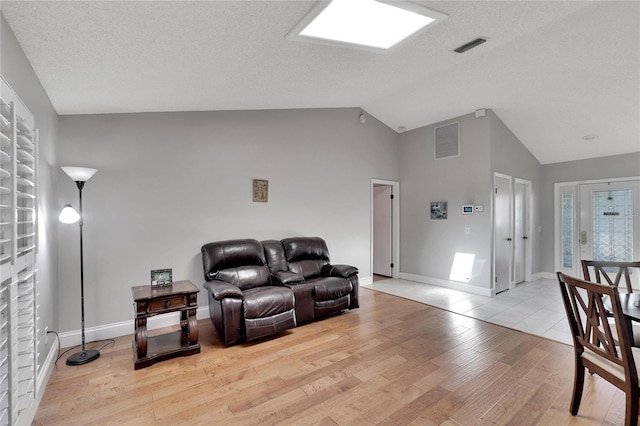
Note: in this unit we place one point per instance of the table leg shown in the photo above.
(193, 327)
(141, 337)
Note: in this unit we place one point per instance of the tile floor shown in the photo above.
(534, 307)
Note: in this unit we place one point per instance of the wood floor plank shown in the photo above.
(391, 362)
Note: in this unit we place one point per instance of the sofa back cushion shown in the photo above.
(306, 255)
(237, 262)
(245, 277)
(274, 255)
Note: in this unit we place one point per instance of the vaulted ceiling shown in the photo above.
(553, 71)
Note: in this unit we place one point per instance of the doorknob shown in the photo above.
(509, 239)
(524, 237)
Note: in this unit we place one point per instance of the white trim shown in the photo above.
(482, 291)
(395, 218)
(545, 275)
(41, 384)
(557, 218)
(110, 331)
(590, 181)
(365, 280)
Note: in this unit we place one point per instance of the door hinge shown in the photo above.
(496, 190)
(391, 196)
(496, 279)
(391, 265)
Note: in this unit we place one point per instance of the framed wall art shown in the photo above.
(260, 191)
(438, 210)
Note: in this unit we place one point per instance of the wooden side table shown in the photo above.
(181, 296)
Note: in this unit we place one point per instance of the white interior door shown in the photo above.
(609, 222)
(520, 231)
(503, 237)
(382, 230)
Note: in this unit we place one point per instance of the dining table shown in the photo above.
(630, 304)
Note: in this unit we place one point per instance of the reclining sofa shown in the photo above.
(259, 289)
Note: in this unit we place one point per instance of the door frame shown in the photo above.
(574, 187)
(395, 225)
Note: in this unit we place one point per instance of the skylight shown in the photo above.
(369, 23)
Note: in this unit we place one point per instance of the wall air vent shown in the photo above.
(447, 141)
(467, 46)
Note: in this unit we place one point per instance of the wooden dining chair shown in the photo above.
(611, 273)
(603, 272)
(594, 344)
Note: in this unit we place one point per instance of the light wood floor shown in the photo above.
(391, 362)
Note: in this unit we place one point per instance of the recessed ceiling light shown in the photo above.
(589, 137)
(365, 23)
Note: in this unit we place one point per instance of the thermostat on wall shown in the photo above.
(467, 209)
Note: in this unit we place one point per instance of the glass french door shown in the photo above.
(609, 224)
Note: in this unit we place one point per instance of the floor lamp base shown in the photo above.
(83, 357)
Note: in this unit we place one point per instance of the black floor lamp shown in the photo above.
(68, 215)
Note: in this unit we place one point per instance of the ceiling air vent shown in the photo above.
(447, 140)
(467, 46)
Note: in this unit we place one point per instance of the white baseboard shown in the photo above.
(27, 416)
(110, 331)
(365, 280)
(546, 276)
(482, 291)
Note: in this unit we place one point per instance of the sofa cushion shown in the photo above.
(245, 277)
(266, 301)
(304, 248)
(344, 271)
(307, 268)
(330, 288)
(230, 254)
(286, 278)
(274, 255)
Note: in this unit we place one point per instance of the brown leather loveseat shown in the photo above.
(260, 289)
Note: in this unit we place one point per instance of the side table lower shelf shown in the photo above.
(163, 347)
(181, 298)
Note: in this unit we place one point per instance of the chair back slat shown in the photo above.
(590, 325)
(604, 270)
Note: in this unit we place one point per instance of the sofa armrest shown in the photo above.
(343, 271)
(287, 277)
(220, 290)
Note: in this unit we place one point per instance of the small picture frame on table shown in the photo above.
(161, 277)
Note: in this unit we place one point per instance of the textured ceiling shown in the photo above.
(553, 71)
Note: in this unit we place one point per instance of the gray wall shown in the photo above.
(169, 182)
(510, 157)
(616, 166)
(428, 246)
(17, 71)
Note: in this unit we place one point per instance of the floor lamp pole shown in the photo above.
(85, 355)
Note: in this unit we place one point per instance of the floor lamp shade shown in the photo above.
(79, 174)
(68, 215)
